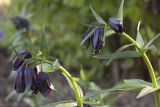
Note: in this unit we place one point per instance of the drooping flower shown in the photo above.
(24, 79)
(20, 23)
(96, 39)
(28, 79)
(116, 25)
(25, 76)
(19, 81)
(17, 62)
(44, 84)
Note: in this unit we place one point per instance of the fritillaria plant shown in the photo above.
(95, 37)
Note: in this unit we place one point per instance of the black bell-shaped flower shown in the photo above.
(19, 81)
(17, 62)
(44, 84)
(96, 39)
(116, 25)
(20, 23)
(25, 78)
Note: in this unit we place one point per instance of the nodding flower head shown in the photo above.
(25, 76)
(24, 79)
(96, 40)
(20, 23)
(116, 25)
(17, 62)
(44, 84)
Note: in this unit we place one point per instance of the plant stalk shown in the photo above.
(149, 66)
(74, 85)
(78, 96)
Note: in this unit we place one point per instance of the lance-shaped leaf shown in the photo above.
(127, 85)
(120, 12)
(87, 36)
(98, 18)
(70, 84)
(139, 38)
(83, 74)
(43, 44)
(109, 33)
(131, 84)
(119, 54)
(151, 41)
(67, 103)
(145, 91)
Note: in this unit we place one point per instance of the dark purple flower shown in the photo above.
(25, 78)
(19, 81)
(20, 23)
(44, 84)
(116, 25)
(2, 35)
(96, 40)
(17, 62)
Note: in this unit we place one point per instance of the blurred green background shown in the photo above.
(65, 22)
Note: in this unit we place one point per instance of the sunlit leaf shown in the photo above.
(47, 67)
(95, 93)
(145, 91)
(10, 95)
(119, 54)
(83, 74)
(151, 41)
(67, 103)
(98, 18)
(89, 35)
(139, 38)
(70, 84)
(43, 45)
(152, 47)
(120, 12)
(138, 81)
(109, 33)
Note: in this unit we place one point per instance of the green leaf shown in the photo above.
(98, 18)
(130, 85)
(152, 47)
(145, 91)
(83, 74)
(120, 12)
(67, 103)
(139, 38)
(10, 95)
(56, 63)
(95, 93)
(119, 54)
(43, 45)
(47, 67)
(138, 82)
(70, 84)
(151, 41)
(89, 35)
(127, 85)
(109, 33)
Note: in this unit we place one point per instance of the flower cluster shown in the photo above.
(20, 23)
(96, 40)
(27, 78)
(94, 36)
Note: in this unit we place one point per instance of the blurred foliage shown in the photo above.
(64, 21)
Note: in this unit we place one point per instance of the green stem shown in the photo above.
(65, 72)
(149, 66)
(35, 101)
(78, 96)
